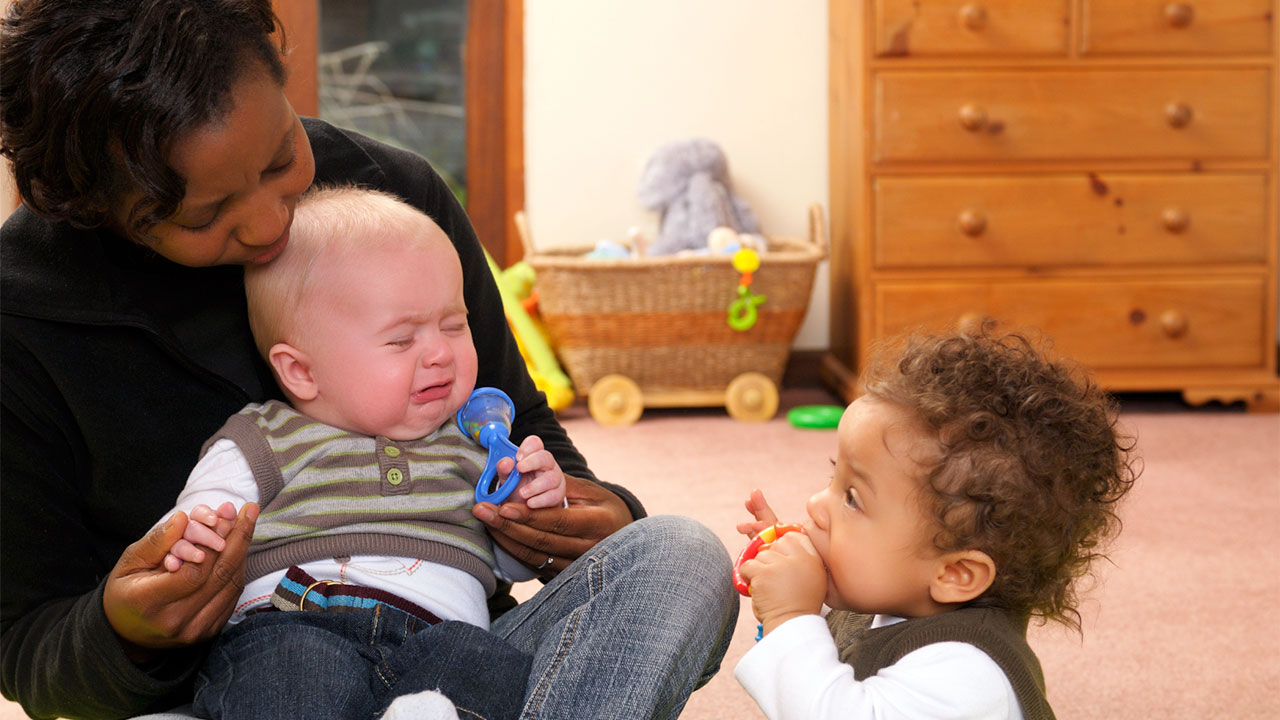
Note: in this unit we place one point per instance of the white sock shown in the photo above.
(426, 705)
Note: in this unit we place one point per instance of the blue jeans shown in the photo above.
(353, 664)
(630, 629)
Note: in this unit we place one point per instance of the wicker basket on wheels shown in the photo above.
(654, 332)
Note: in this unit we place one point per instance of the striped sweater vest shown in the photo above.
(326, 492)
(993, 631)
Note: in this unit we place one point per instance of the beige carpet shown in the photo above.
(1184, 624)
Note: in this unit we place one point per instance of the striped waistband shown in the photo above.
(300, 591)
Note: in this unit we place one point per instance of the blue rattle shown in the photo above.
(486, 418)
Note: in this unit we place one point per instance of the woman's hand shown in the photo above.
(150, 607)
(548, 539)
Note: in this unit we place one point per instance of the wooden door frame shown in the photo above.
(494, 98)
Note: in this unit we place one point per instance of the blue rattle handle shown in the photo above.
(493, 437)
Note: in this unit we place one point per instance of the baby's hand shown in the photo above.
(542, 482)
(207, 527)
(787, 580)
(760, 510)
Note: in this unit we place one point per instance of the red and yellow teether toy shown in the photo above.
(758, 543)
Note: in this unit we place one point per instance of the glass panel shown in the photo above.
(392, 69)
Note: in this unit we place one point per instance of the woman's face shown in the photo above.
(244, 174)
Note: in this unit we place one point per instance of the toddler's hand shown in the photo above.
(760, 510)
(787, 580)
(542, 482)
(207, 527)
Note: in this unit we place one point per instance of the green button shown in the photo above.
(391, 451)
(394, 476)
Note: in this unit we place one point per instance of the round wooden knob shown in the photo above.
(971, 222)
(1179, 14)
(1173, 323)
(973, 16)
(1175, 219)
(972, 117)
(1178, 114)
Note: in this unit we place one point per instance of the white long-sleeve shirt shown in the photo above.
(795, 672)
(223, 474)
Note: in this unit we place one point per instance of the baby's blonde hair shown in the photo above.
(344, 219)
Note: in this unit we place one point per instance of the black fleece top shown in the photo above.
(115, 366)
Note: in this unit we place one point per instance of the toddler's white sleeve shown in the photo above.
(795, 672)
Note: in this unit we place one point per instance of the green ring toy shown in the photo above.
(742, 312)
(816, 417)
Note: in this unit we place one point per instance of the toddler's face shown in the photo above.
(386, 331)
(868, 524)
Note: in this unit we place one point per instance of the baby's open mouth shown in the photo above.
(431, 393)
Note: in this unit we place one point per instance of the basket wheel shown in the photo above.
(751, 397)
(615, 400)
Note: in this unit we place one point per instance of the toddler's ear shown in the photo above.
(293, 370)
(962, 576)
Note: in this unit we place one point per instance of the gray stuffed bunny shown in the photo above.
(688, 182)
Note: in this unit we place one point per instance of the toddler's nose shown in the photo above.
(817, 510)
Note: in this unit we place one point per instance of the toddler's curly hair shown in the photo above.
(1031, 464)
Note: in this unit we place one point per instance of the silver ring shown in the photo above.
(546, 563)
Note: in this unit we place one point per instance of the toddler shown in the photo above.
(975, 481)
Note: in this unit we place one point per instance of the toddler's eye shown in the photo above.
(851, 499)
(401, 342)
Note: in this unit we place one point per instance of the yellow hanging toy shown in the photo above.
(742, 312)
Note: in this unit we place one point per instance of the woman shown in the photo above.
(156, 153)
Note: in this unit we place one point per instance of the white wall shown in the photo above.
(608, 81)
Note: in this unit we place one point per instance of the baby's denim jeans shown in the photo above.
(628, 631)
(353, 664)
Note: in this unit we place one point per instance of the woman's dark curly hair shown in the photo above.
(1031, 464)
(93, 94)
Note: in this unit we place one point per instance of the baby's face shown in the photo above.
(868, 524)
(386, 331)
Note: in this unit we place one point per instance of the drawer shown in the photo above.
(1203, 27)
(1070, 220)
(1113, 324)
(932, 28)
(954, 117)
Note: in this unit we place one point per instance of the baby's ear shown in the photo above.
(293, 370)
(962, 575)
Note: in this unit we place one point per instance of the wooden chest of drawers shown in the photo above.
(1102, 172)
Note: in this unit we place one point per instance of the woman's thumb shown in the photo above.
(149, 552)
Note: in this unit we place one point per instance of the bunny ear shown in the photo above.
(665, 177)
